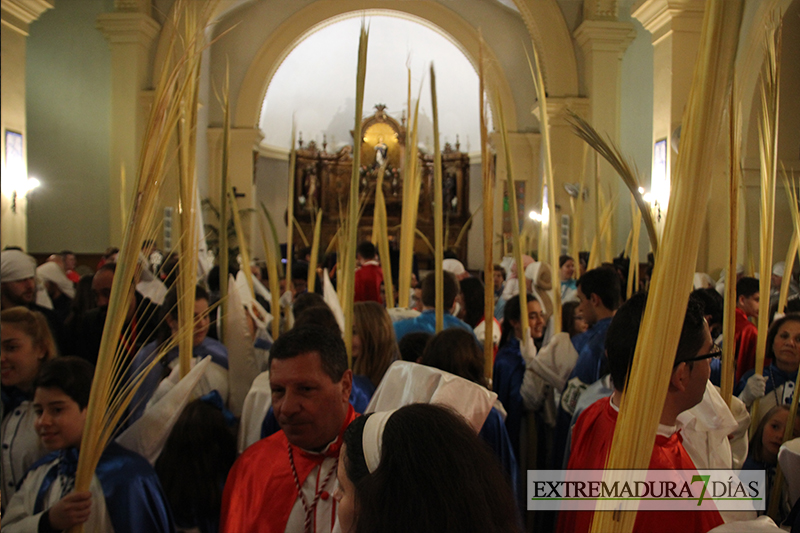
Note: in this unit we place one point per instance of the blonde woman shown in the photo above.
(25, 345)
(374, 345)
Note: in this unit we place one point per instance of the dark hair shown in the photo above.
(412, 345)
(194, 464)
(306, 300)
(107, 267)
(71, 374)
(713, 304)
(773, 332)
(563, 259)
(454, 350)
(371, 322)
(511, 312)
(499, 268)
(604, 282)
(624, 331)
(568, 317)
(320, 316)
(472, 292)
(757, 442)
(170, 305)
(312, 339)
(413, 487)
(746, 287)
(449, 291)
(300, 270)
(366, 250)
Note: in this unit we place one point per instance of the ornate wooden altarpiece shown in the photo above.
(322, 180)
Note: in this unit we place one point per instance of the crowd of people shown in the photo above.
(413, 435)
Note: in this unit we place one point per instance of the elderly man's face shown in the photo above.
(20, 292)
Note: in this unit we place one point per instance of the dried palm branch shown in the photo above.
(272, 255)
(111, 391)
(464, 229)
(488, 180)
(438, 235)
(626, 171)
(380, 234)
(768, 151)
(412, 180)
(512, 200)
(553, 226)
(577, 207)
(729, 316)
(425, 240)
(794, 210)
(290, 208)
(348, 275)
(632, 445)
(224, 248)
(312, 267)
(633, 257)
(244, 248)
(300, 231)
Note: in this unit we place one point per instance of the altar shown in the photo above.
(322, 181)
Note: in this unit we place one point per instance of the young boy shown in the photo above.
(125, 494)
(745, 333)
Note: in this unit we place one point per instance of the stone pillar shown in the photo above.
(17, 15)
(603, 43)
(675, 28)
(131, 33)
(243, 142)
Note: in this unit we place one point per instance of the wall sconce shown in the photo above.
(21, 190)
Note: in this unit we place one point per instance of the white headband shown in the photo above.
(16, 266)
(372, 438)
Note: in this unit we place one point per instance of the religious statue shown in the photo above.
(381, 152)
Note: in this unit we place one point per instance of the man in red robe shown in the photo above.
(285, 482)
(594, 430)
(369, 275)
(746, 334)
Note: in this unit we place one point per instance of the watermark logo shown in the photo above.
(643, 490)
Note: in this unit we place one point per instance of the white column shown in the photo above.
(603, 43)
(131, 35)
(17, 15)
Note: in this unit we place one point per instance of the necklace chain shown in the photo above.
(309, 509)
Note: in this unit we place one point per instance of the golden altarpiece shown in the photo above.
(322, 181)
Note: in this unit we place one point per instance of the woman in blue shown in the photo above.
(778, 379)
(125, 495)
(509, 365)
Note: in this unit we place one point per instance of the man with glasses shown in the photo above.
(594, 430)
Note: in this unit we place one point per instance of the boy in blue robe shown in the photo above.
(125, 495)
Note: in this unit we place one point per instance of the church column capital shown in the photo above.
(605, 36)
(18, 14)
(660, 17)
(128, 28)
(600, 9)
(557, 108)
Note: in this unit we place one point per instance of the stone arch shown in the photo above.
(310, 19)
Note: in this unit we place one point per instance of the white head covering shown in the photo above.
(455, 267)
(16, 266)
(779, 269)
(50, 271)
(372, 438)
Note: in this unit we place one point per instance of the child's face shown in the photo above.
(772, 437)
(59, 419)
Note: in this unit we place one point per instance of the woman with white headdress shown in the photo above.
(398, 473)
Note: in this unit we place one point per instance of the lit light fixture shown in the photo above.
(641, 190)
(536, 217)
(20, 189)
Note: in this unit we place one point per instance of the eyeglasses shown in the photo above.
(715, 352)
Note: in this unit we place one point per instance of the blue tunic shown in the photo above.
(426, 323)
(509, 369)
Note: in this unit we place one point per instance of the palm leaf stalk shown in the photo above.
(312, 267)
(768, 151)
(729, 315)
(553, 226)
(488, 223)
(290, 209)
(438, 234)
(643, 403)
(348, 275)
(794, 210)
(381, 234)
(111, 392)
(609, 151)
(411, 187)
(272, 254)
(224, 246)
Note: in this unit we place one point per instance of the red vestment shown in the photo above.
(260, 491)
(368, 280)
(591, 442)
(745, 338)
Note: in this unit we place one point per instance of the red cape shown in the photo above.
(591, 442)
(260, 491)
(745, 339)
